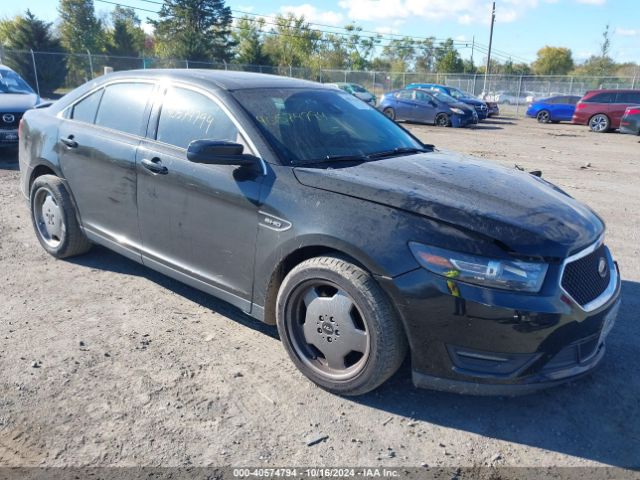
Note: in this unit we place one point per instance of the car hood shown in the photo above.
(522, 212)
(472, 101)
(462, 106)
(17, 102)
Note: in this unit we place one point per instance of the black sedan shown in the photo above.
(307, 208)
(427, 106)
(630, 122)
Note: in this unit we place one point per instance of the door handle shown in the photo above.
(154, 165)
(69, 141)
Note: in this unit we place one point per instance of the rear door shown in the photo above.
(405, 105)
(97, 143)
(198, 222)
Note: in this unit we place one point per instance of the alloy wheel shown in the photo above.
(442, 120)
(599, 123)
(48, 217)
(328, 331)
(544, 117)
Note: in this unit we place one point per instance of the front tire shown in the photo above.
(442, 120)
(599, 123)
(54, 218)
(338, 326)
(390, 113)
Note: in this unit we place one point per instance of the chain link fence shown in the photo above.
(55, 73)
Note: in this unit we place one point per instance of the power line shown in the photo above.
(456, 43)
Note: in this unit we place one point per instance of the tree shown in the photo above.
(553, 61)
(426, 55)
(292, 42)
(447, 58)
(80, 31)
(249, 41)
(400, 53)
(24, 33)
(602, 64)
(197, 30)
(126, 38)
(358, 49)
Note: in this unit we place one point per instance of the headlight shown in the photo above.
(505, 274)
(459, 111)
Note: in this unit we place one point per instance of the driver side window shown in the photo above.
(187, 115)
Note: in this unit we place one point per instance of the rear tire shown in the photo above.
(54, 218)
(599, 123)
(543, 116)
(390, 113)
(338, 326)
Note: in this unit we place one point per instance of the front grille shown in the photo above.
(7, 123)
(581, 278)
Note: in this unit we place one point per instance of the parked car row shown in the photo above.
(601, 110)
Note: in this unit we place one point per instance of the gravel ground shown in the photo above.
(106, 363)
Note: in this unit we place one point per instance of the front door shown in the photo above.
(198, 222)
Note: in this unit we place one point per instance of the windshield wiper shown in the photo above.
(398, 151)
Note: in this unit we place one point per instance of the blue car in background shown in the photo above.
(427, 106)
(553, 109)
(464, 97)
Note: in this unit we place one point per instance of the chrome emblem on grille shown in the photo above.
(8, 118)
(602, 267)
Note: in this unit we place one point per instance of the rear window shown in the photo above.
(123, 106)
(628, 97)
(85, 110)
(604, 97)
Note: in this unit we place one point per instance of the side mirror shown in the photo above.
(45, 104)
(216, 152)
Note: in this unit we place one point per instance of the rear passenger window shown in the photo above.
(85, 110)
(628, 97)
(123, 106)
(187, 115)
(406, 94)
(606, 97)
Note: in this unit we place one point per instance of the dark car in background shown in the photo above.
(357, 91)
(493, 109)
(630, 122)
(16, 97)
(480, 106)
(309, 209)
(427, 106)
(602, 110)
(553, 109)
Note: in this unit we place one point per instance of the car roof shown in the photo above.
(221, 79)
(612, 90)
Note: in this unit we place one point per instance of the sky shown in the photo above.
(522, 26)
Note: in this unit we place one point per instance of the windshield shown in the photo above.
(358, 88)
(443, 97)
(11, 82)
(310, 126)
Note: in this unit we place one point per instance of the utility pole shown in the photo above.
(473, 46)
(486, 71)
